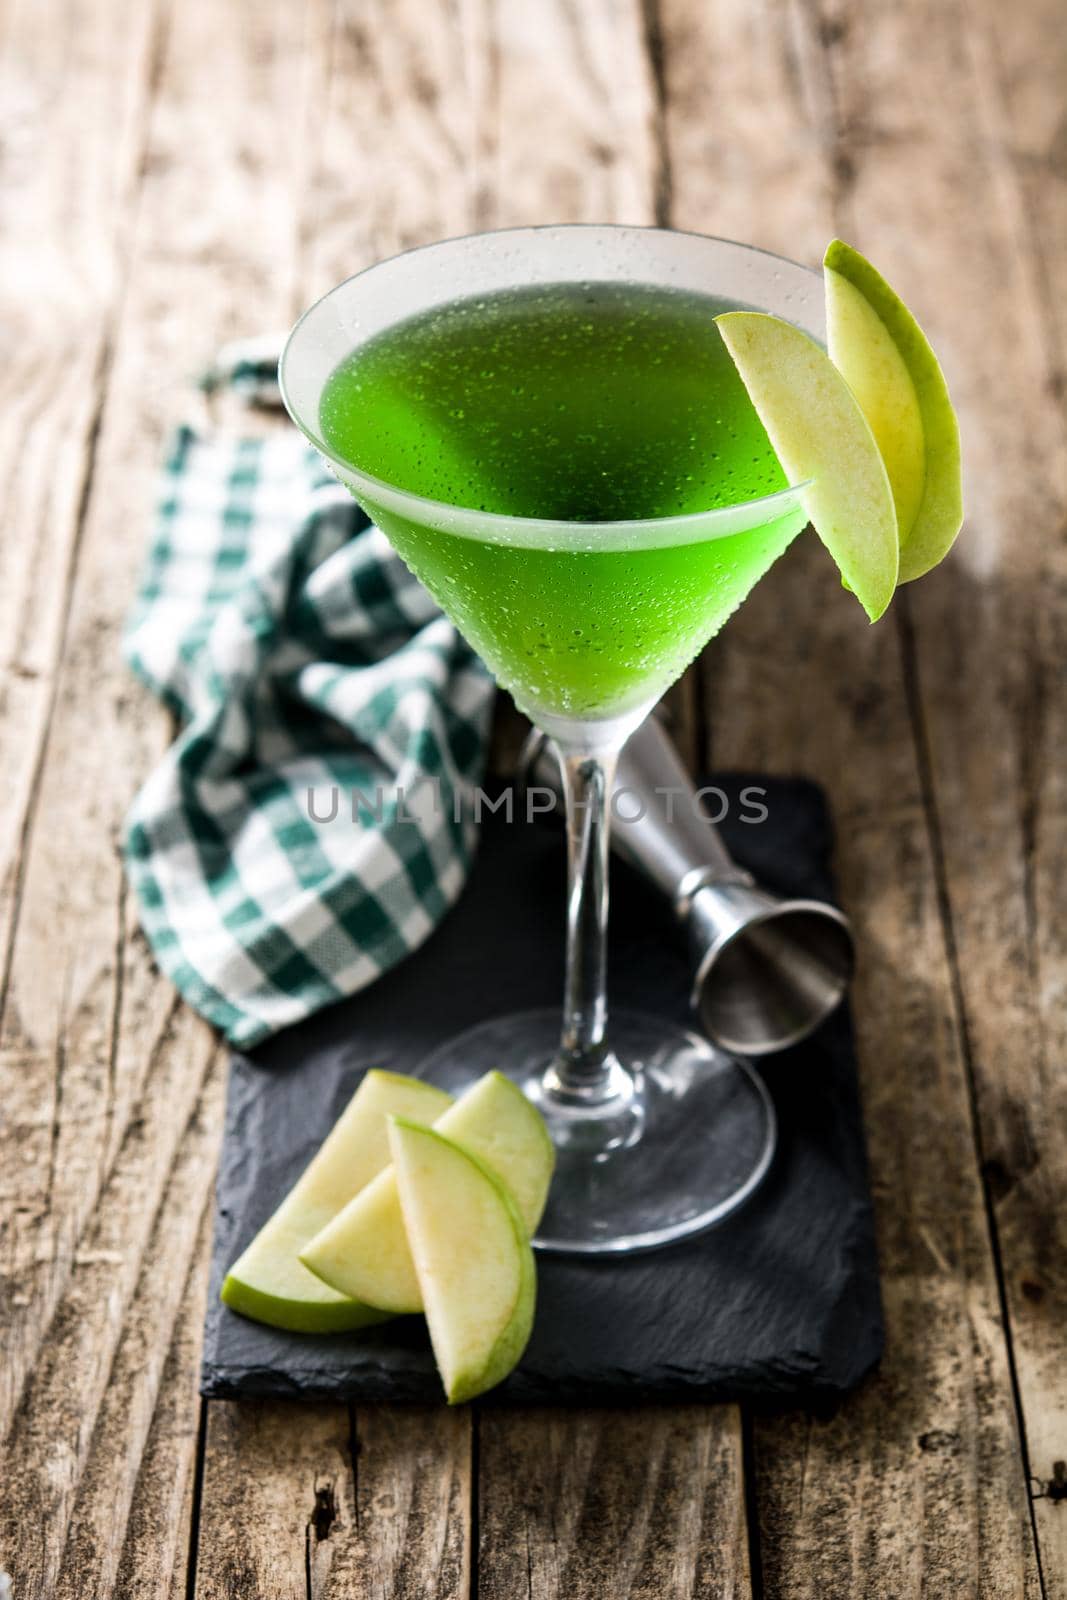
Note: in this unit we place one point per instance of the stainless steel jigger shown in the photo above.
(766, 970)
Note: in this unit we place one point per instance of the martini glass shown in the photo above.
(586, 621)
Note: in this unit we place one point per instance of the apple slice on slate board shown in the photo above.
(364, 1251)
(268, 1282)
(472, 1255)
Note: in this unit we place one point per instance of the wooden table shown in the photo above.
(176, 174)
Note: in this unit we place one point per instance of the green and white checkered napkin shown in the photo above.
(307, 667)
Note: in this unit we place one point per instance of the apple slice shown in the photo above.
(472, 1255)
(886, 359)
(364, 1252)
(268, 1282)
(820, 434)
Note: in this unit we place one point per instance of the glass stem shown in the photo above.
(585, 1071)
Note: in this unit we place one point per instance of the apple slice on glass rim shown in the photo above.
(886, 359)
(866, 430)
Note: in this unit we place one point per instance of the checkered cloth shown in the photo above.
(312, 822)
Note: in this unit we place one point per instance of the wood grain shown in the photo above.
(75, 93)
(564, 109)
(643, 1502)
(104, 1071)
(277, 1488)
(126, 1506)
(155, 1547)
(71, 1459)
(989, 649)
(414, 1500)
(303, 1500)
(983, 656)
(918, 1482)
(391, 166)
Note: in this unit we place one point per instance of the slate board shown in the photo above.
(781, 1301)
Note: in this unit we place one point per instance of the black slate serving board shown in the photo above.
(781, 1301)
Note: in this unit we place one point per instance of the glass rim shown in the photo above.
(638, 532)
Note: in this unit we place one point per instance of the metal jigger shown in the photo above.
(766, 970)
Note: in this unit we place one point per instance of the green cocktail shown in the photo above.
(547, 425)
(559, 440)
(577, 404)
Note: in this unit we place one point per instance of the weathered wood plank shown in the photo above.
(638, 1502)
(74, 92)
(72, 1457)
(213, 253)
(564, 114)
(161, 1334)
(278, 1485)
(990, 647)
(392, 165)
(414, 1497)
(74, 88)
(313, 1500)
(917, 1482)
(153, 1559)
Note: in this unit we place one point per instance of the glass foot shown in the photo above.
(685, 1139)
